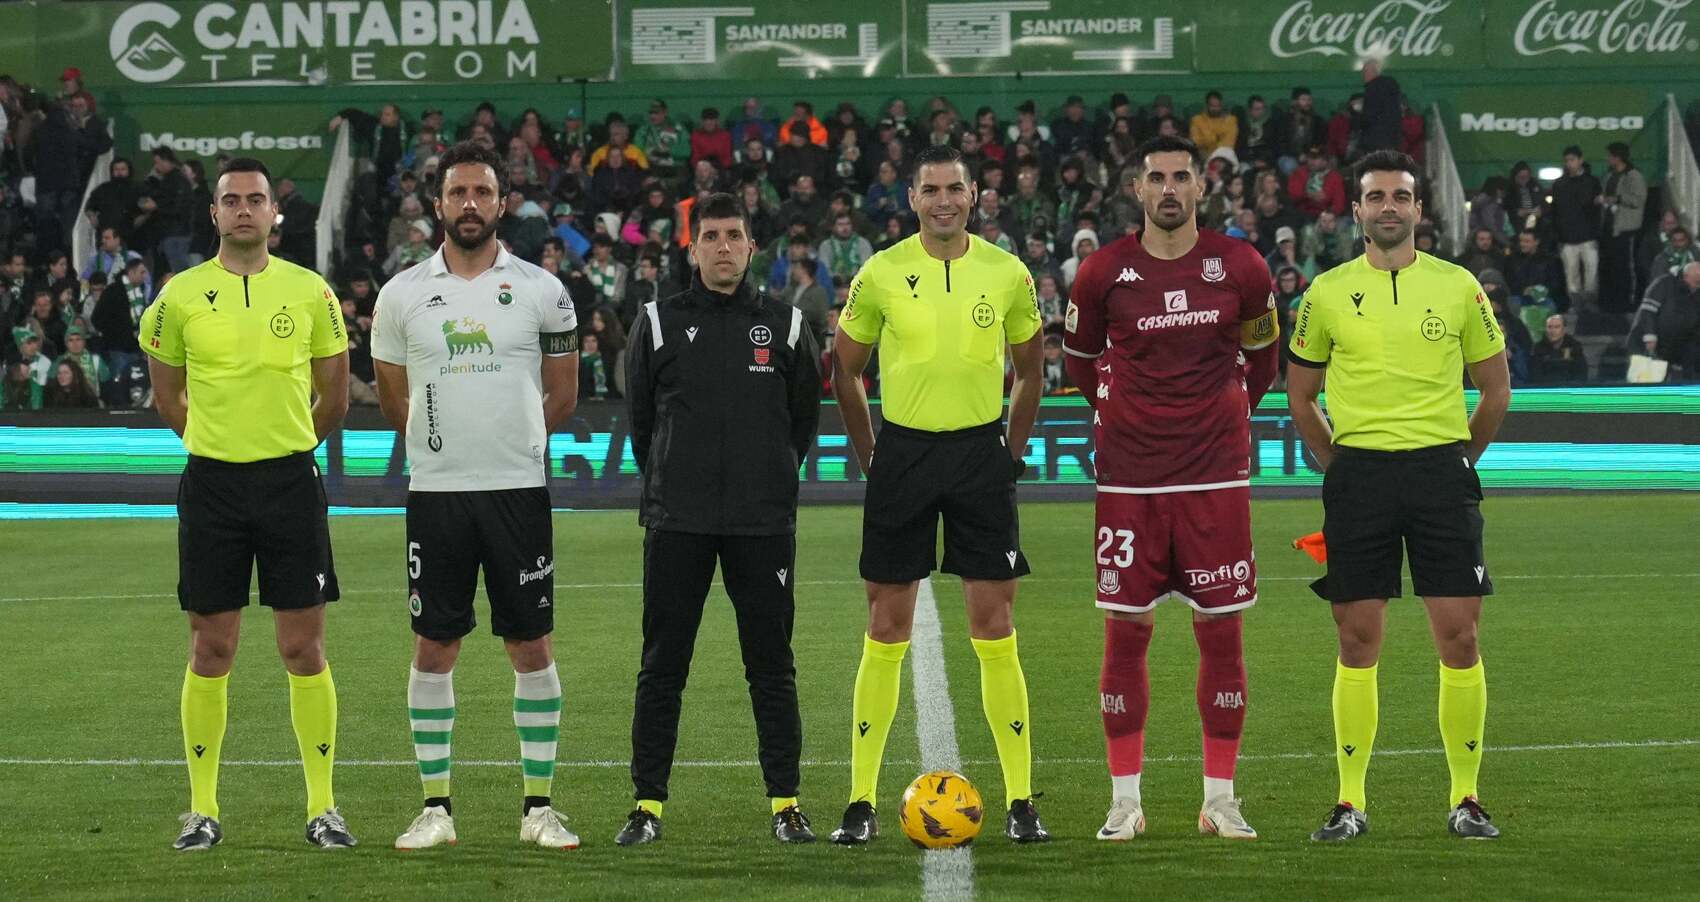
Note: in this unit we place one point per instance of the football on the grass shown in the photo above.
(941, 810)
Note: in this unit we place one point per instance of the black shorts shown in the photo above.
(507, 532)
(1429, 498)
(231, 515)
(968, 477)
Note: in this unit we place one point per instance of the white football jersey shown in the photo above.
(474, 351)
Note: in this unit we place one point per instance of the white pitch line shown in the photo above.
(1165, 759)
(401, 591)
(945, 873)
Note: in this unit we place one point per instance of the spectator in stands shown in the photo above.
(12, 216)
(1038, 258)
(1123, 213)
(1623, 198)
(522, 182)
(849, 169)
(1053, 306)
(755, 164)
(665, 144)
(755, 125)
(525, 227)
(89, 364)
(1271, 217)
(1558, 359)
(20, 390)
(167, 222)
(616, 183)
(803, 122)
(14, 281)
(1317, 186)
(108, 257)
(1286, 254)
(1667, 325)
(1326, 244)
(298, 227)
(611, 343)
(1532, 273)
(798, 255)
(1055, 375)
(385, 136)
(1487, 210)
(69, 388)
(1119, 145)
(484, 123)
(1345, 130)
(619, 138)
(1676, 256)
(1074, 133)
(1526, 198)
(410, 211)
(203, 232)
(1518, 343)
(895, 231)
(362, 380)
(67, 144)
(110, 203)
(762, 218)
(845, 119)
(1576, 222)
(1383, 110)
(1035, 211)
(1258, 143)
(1300, 129)
(362, 292)
(804, 203)
(799, 157)
(887, 197)
(607, 275)
(711, 142)
(1413, 132)
(1484, 254)
(1084, 243)
(844, 252)
(1075, 193)
(643, 289)
(46, 320)
(543, 156)
(594, 374)
(573, 134)
(1213, 127)
(990, 208)
(809, 295)
(116, 317)
(414, 250)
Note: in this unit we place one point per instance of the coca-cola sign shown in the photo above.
(1390, 28)
(1638, 27)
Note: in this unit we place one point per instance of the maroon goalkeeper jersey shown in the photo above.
(1172, 409)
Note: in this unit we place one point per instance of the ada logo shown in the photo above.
(282, 324)
(1109, 581)
(984, 315)
(1213, 271)
(761, 336)
(469, 338)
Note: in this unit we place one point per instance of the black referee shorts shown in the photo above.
(231, 515)
(508, 533)
(1430, 499)
(967, 477)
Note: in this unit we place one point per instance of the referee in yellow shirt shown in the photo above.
(1393, 332)
(942, 306)
(237, 346)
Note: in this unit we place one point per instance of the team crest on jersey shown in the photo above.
(1072, 318)
(1213, 271)
(506, 295)
(761, 335)
(1109, 582)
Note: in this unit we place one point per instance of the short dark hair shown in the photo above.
(247, 164)
(1385, 161)
(1300, 92)
(1168, 144)
(1255, 98)
(718, 206)
(469, 153)
(1618, 149)
(164, 152)
(807, 106)
(1574, 150)
(1215, 94)
(936, 155)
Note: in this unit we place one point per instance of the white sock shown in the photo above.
(1125, 787)
(1214, 788)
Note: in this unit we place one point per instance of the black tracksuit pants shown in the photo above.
(678, 569)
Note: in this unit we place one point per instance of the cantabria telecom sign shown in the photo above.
(342, 41)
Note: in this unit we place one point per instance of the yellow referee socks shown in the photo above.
(1355, 712)
(873, 707)
(204, 708)
(1003, 695)
(312, 709)
(1463, 717)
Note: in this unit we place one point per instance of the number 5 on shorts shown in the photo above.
(413, 560)
(1124, 550)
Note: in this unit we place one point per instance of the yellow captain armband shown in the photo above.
(1260, 332)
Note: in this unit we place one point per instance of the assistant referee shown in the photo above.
(1393, 332)
(942, 306)
(238, 346)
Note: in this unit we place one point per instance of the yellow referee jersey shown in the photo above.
(1395, 344)
(248, 343)
(942, 327)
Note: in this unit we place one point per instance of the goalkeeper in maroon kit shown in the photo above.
(1172, 337)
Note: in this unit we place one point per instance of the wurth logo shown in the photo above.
(1230, 700)
(1113, 704)
(1129, 274)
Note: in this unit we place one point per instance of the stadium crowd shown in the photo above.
(605, 204)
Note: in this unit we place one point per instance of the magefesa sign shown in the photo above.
(313, 43)
(1548, 33)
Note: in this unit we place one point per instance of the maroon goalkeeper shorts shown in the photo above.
(1191, 546)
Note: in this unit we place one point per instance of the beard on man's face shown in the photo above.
(475, 240)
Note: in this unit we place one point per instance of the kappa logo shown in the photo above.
(1242, 592)
(912, 280)
(1481, 574)
(1012, 555)
(1129, 274)
(691, 334)
(212, 297)
(782, 573)
(1109, 581)
(1213, 271)
(1103, 391)
(1174, 301)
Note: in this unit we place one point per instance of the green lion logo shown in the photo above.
(466, 337)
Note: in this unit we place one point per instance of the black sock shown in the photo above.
(534, 802)
(441, 802)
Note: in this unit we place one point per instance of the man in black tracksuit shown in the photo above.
(724, 385)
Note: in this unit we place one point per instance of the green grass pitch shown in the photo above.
(1591, 765)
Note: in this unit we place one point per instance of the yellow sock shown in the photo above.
(652, 806)
(312, 709)
(878, 682)
(778, 804)
(204, 708)
(1463, 718)
(1003, 695)
(1355, 711)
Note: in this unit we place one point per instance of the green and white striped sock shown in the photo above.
(431, 710)
(537, 718)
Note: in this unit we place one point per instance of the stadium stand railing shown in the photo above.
(1448, 188)
(83, 237)
(333, 207)
(1682, 178)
